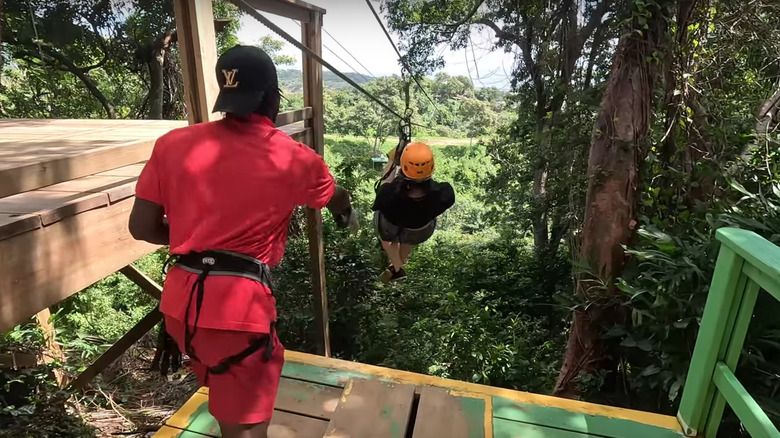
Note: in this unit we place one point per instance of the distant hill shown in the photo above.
(292, 80)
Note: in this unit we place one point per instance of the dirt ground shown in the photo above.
(129, 400)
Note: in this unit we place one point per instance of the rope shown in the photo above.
(248, 9)
(400, 57)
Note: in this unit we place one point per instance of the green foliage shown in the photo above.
(457, 109)
(31, 403)
(273, 47)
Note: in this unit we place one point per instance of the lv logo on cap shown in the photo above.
(230, 78)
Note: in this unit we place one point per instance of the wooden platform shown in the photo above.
(320, 397)
(66, 190)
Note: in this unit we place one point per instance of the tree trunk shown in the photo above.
(156, 85)
(540, 208)
(155, 60)
(618, 147)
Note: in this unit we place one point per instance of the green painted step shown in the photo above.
(511, 429)
(578, 422)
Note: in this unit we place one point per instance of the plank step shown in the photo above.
(440, 414)
(372, 409)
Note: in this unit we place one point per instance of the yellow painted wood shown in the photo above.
(172, 432)
(649, 418)
(183, 417)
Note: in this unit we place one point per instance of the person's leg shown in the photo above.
(242, 399)
(404, 251)
(244, 430)
(411, 238)
(393, 251)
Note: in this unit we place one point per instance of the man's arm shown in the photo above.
(147, 222)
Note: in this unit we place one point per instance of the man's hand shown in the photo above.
(344, 214)
(349, 220)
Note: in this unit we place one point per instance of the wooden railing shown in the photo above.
(746, 264)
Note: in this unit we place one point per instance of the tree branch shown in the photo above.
(101, 43)
(79, 73)
(501, 33)
(594, 21)
(468, 16)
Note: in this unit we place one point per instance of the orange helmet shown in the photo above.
(417, 161)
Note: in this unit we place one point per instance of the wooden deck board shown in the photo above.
(441, 414)
(602, 426)
(372, 409)
(133, 170)
(52, 206)
(116, 187)
(13, 224)
(512, 429)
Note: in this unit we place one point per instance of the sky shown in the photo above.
(351, 23)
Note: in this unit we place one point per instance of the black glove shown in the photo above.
(167, 357)
(349, 219)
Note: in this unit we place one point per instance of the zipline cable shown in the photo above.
(248, 9)
(400, 57)
(339, 57)
(350, 54)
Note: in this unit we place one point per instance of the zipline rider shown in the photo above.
(228, 189)
(407, 203)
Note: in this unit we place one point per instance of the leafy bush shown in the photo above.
(667, 288)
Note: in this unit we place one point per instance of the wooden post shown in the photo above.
(52, 350)
(311, 37)
(198, 52)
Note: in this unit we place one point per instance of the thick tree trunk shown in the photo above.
(617, 148)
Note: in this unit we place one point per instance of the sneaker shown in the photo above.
(387, 275)
(398, 275)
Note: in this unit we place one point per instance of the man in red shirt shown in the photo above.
(221, 194)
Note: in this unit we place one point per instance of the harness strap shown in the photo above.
(223, 263)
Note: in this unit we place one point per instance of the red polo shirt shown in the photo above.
(230, 185)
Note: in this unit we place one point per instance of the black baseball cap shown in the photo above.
(246, 74)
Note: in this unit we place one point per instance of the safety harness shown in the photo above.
(224, 263)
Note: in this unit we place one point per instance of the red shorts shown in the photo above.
(245, 394)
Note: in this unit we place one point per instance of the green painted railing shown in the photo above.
(747, 263)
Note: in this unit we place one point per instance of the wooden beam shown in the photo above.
(198, 52)
(311, 36)
(42, 267)
(39, 174)
(295, 9)
(143, 281)
(123, 344)
(290, 117)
